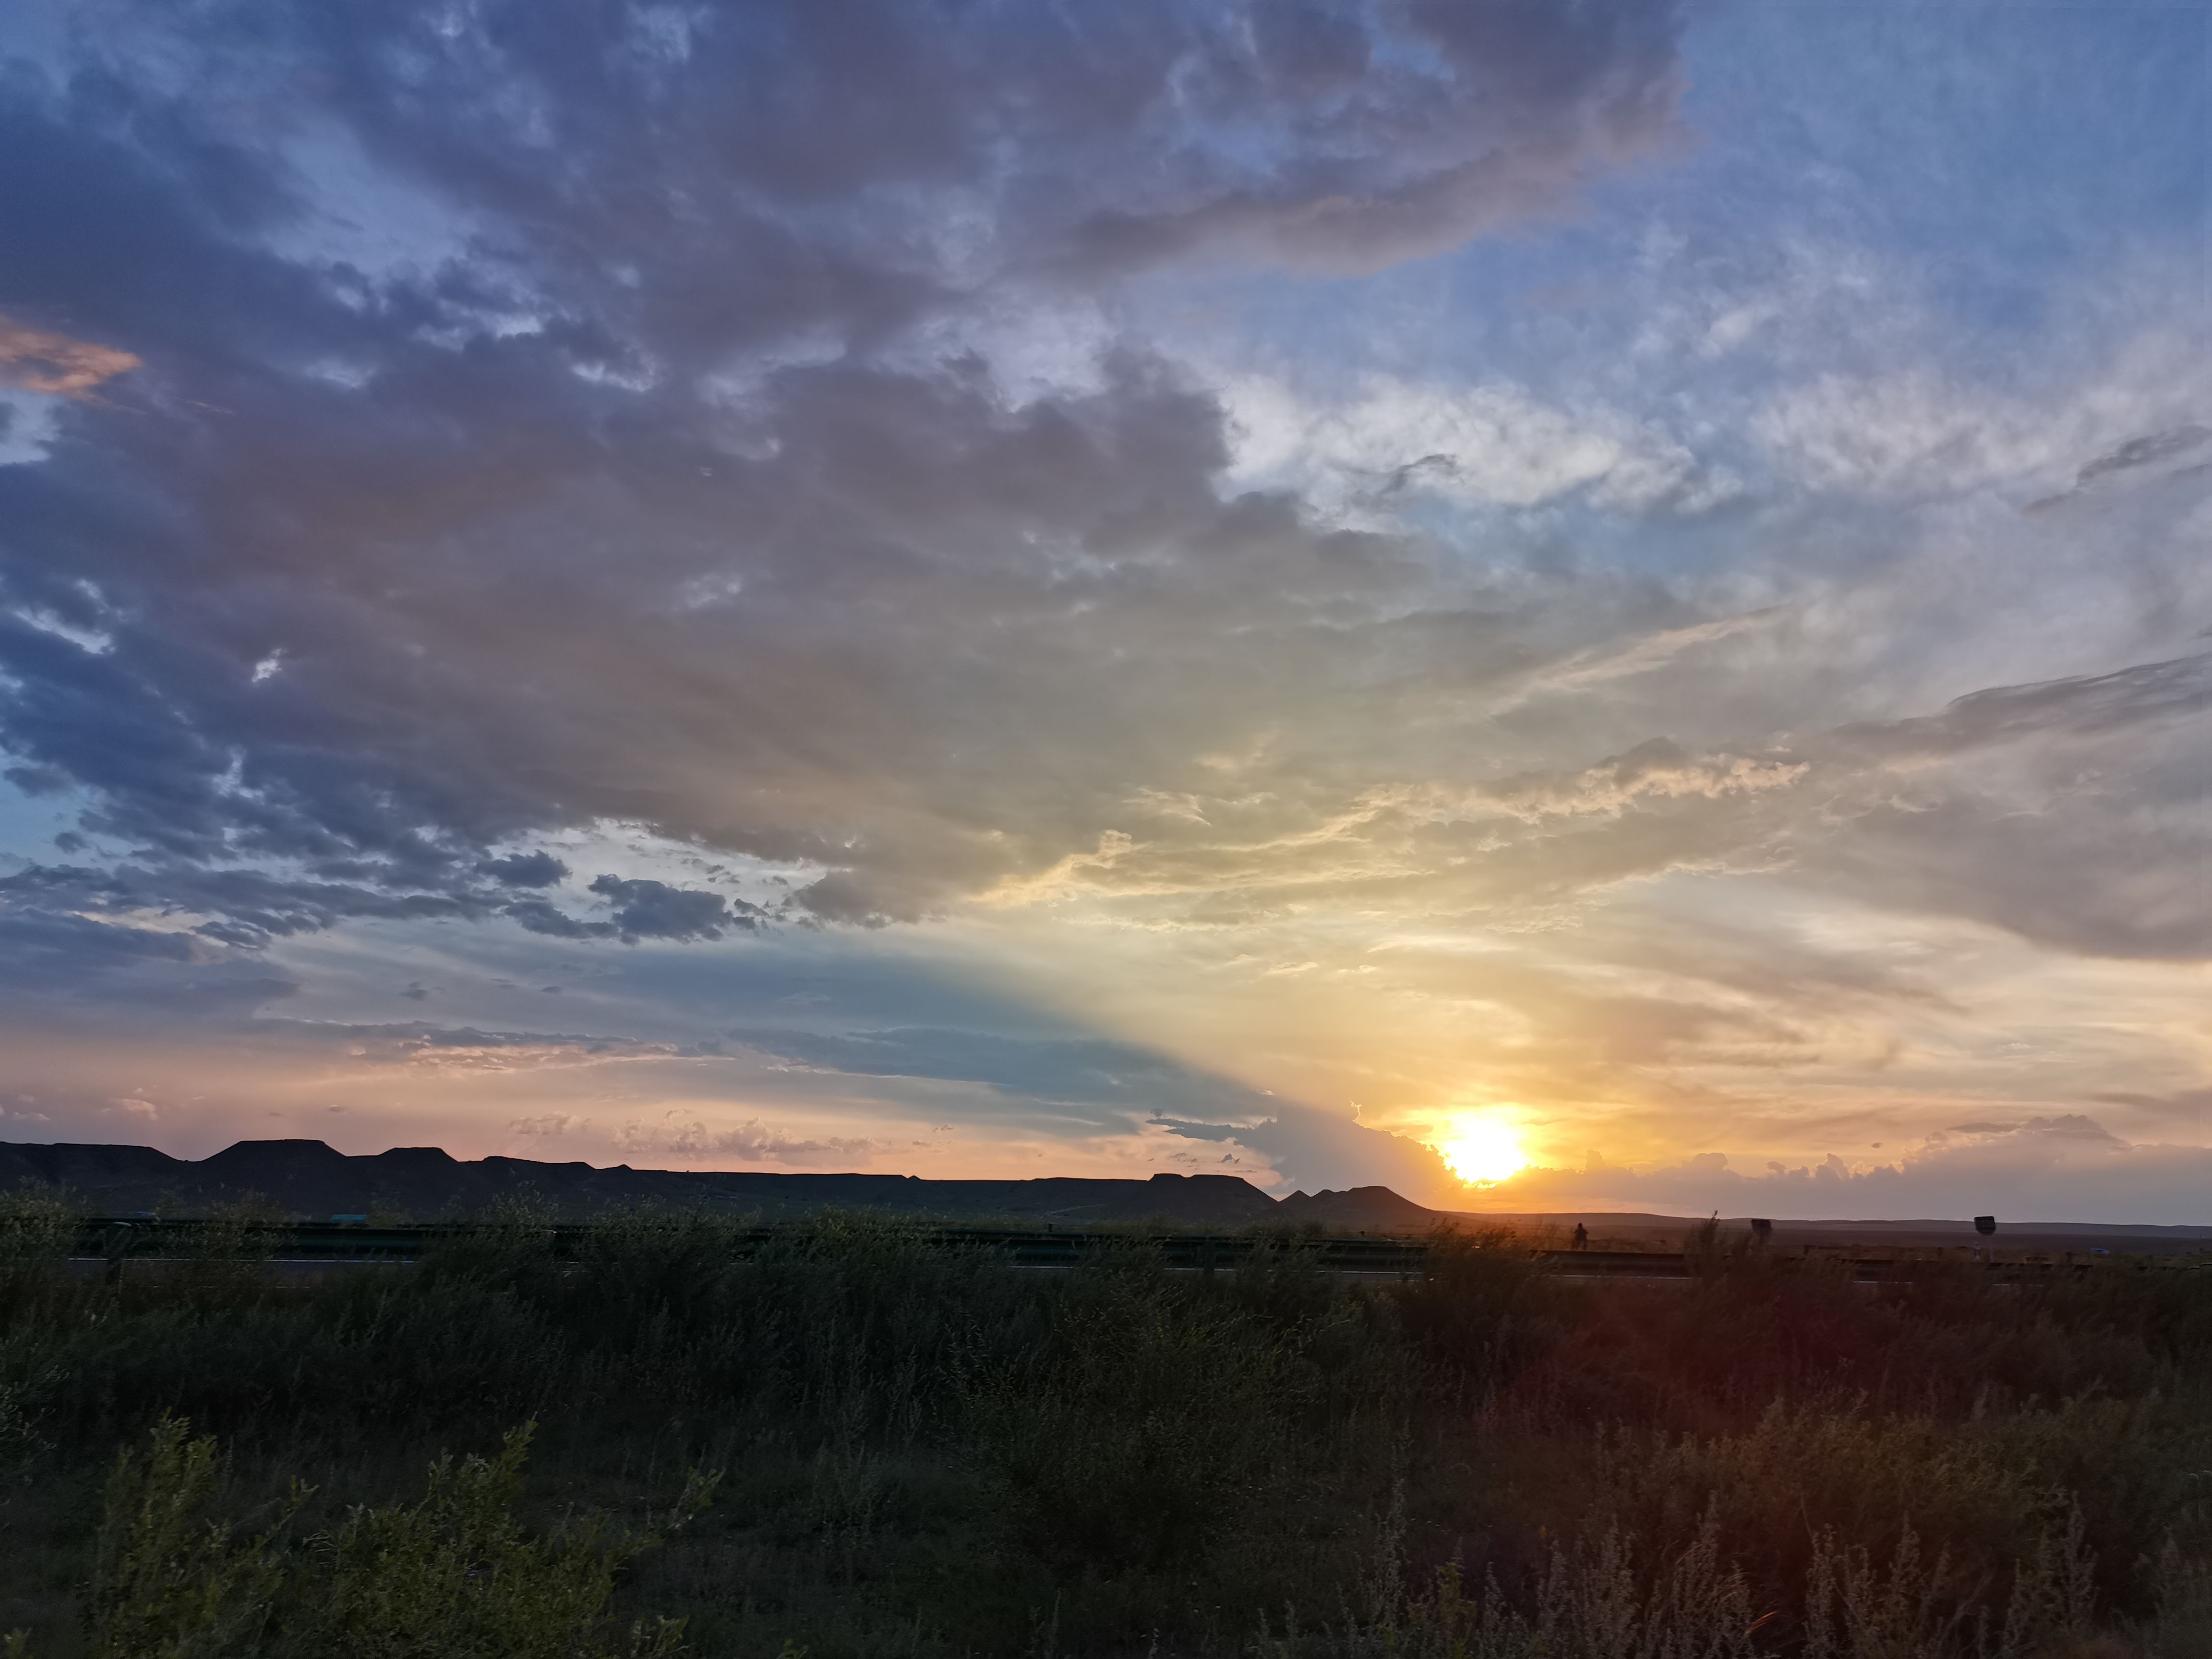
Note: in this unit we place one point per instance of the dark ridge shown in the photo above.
(1364, 1209)
(311, 1180)
(88, 1165)
(314, 1180)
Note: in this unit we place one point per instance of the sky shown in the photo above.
(1606, 596)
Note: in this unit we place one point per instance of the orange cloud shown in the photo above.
(35, 361)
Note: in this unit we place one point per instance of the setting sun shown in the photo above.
(1483, 1149)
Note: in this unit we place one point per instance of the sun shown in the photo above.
(1482, 1149)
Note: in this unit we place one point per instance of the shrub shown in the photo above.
(929, 1452)
(169, 1580)
(453, 1576)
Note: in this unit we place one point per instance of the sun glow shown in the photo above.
(1483, 1150)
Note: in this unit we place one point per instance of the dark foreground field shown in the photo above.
(858, 1443)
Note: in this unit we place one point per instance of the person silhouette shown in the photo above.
(1582, 1236)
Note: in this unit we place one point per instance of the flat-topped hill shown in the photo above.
(312, 1179)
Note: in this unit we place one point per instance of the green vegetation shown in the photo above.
(451, 1574)
(915, 1450)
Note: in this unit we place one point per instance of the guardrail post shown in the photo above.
(117, 1243)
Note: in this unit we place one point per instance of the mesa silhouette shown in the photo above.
(312, 1179)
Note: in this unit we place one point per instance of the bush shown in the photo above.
(168, 1580)
(1146, 1425)
(453, 1576)
(928, 1452)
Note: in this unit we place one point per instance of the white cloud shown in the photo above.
(679, 1140)
(1657, 771)
(1907, 429)
(1489, 445)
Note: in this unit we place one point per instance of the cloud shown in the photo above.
(1909, 415)
(537, 916)
(654, 909)
(249, 907)
(2132, 456)
(1101, 1084)
(690, 1141)
(546, 418)
(63, 965)
(1539, 97)
(539, 869)
(1654, 770)
(2090, 707)
(2071, 1125)
(31, 360)
(1493, 444)
(237, 906)
(2145, 451)
(1098, 1082)
(602, 354)
(1311, 1150)
(2192, 1107)
(417, 1039)
(1984, 810)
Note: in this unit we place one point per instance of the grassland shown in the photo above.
(858, 1443)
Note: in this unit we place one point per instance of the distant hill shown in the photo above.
(1361, 1209)
(310, 1178)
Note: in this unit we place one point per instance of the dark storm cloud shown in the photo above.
(654, 909)
(588, 467)
(251, 907)
(248, 907)
(537, 916)
(526, 870)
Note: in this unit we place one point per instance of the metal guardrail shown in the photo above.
(131, 1238)
(121, 1238)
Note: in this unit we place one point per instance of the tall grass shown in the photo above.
(922, 1450)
